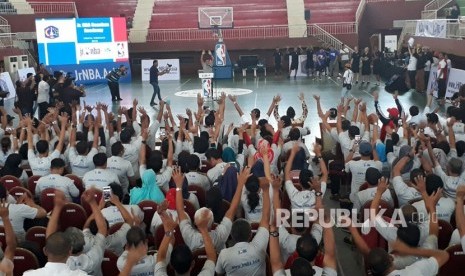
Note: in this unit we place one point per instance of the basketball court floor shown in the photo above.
(258, 92)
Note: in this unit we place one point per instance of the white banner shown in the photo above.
(301, 70)
(22, 73)
(455, 81)
(390, 42)
(174, 74)
(5, 76)
(431, 28)
(432, 84)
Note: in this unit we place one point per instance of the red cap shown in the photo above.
(393, 112)
(171, 198)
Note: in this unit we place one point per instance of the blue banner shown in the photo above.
(92, 73)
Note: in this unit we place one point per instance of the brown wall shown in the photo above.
(26, 22)
(379, 17)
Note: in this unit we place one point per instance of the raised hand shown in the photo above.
(301, 96)
(383, 185)
(421, 184)
(276, 182)
(178, 177)
(4, 212)
(243, 176)
(316, 97)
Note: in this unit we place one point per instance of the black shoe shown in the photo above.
(368, 83)
(153, 104)
(119, 99)
(362, 83)
(356, 82)
(113, 100)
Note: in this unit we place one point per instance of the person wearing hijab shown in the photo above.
(148, 191)
(229, 156)
(11, 167)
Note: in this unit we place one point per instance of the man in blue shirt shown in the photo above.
(113, 82)
(333, 61)
(154, 73)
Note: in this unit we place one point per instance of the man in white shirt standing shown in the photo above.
(100, 176)
(40, 164)
(43, 96)
(442, 74)
(57, 181)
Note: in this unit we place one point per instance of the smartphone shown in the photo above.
(233, 164)
(162, 132)
(357, 139)
(399, 123)
(106, 193)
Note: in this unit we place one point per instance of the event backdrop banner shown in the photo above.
(174, 74)
(431, 28)
(92, 72)
(455, 80)
(22, 73)
(301, 70)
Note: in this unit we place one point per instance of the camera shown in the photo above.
(169, 65)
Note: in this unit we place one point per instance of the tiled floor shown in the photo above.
(263, 90)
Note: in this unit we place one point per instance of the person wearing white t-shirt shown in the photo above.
(89, 261)
(191, 236)
(214, 157)
(358, 167)
(25, 208)
(43, 95)
(372, 177)
(460, 215)
(57, 181)
(79, 155)
(347, 79)
(6, 265)
(405, 192)
(382, 263)
(301, 265)
(412, 67)
(40, 165)
(248, 258)
(58, 250)
(305, 198)
(193, 176)
(255, 113)
(181, 257)
(100, 176)
(121, 167)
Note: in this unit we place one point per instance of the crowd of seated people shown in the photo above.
(206, 199)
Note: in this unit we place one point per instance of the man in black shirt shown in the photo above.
(294, 62)
(71, 94)
(154, 73)
(278, 56)
(52, 82)
(25, 96)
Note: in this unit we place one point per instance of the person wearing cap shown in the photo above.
(394, 114)
(347, 79)
(372, 177)
(358, 167)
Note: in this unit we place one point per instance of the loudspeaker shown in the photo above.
(307, 15)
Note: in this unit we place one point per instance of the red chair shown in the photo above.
(32, 183)
(160, 233)
(109, 267)
(36, 234)
(2, 237)
(149, 208)
(454, 265)
(10, 181)
(18, 192)
(77, 182)
(295, 176)
(72, 215)
(205, 167)
(199, 257)
(382, 205)
(199, 192)
(47, 199)
(445, 233)
(189, 208)
(86, 206)
(114, 228)
(363, 187)
(23, 261)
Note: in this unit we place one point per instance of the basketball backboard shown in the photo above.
(216, 17)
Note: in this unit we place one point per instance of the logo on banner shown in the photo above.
(220, 53)
(206, 87)
(51, 32)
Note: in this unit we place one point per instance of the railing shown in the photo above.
(7, 8)
(454, 30)
(26, 35)
(339, 27)
(325, 37)
(31, 59)
(54, 7)
(5, 28)
(436, 5)
(6, 40)
(429, 14)
(236, 33)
